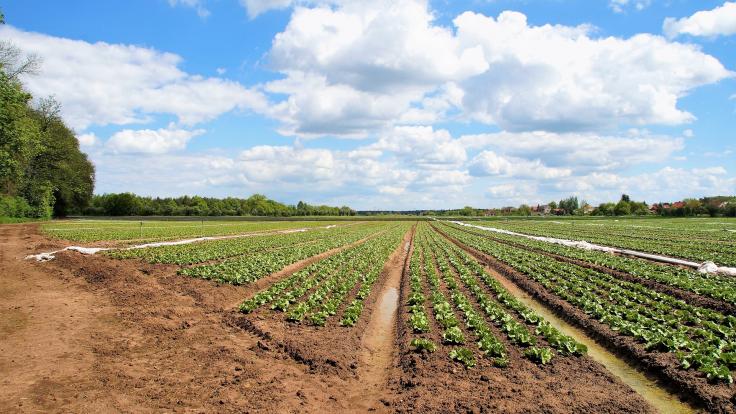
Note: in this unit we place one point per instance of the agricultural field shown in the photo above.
(387, 316)
(132, 231)
(695, 239)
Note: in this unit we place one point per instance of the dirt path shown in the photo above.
(378, 351)
(46, 326)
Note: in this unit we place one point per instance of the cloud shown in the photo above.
(666, 184)
(353, 68)
(422, 146)
(357, 67)
(102, 84)
(88, 140)
(512, 191)
(620, 6)
(197, 5)
(581, 152)
(148, 141)
(720, 21)
(488, 163)
(257, 7)
(559, 78)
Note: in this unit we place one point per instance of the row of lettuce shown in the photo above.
(492, 319)
(715, 243)
(701, 339)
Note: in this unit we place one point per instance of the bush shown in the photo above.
(14, 207)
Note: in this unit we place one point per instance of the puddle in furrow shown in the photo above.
(656, 395)
(378, 343)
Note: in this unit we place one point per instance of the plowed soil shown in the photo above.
(93, 334)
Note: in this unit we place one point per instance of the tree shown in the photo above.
(623, 208)
(605, 209)
(569, 205)
(124, 204)
(524, 210)
(49, 110)
(625, 197)
(20, 137)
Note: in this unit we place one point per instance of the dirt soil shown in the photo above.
(94, 334)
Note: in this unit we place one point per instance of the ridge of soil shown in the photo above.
(689, 384)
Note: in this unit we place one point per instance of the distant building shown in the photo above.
(678, 204)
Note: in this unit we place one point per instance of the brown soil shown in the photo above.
(717, 398)
(94, 334)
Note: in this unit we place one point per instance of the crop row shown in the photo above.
(317, 292)
(246, 269)
(89, 231)
(187, 254)
(455, 264)
(471, 273)
(702, 339)
(717, 251)
(715, 286)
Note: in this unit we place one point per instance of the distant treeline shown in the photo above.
(127, 204)
(712, 206)
(42, 170)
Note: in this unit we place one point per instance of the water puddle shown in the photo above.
(378, 341)
(656, 395)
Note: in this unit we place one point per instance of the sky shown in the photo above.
(399, 105)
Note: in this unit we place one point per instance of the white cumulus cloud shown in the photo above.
(352, 68)
(720, 21)
(101, 83)
(488, 163)
(150, 141)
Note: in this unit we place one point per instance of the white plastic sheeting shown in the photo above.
(706, 267)
(44, 257)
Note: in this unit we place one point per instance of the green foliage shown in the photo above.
(421, 344)
(539, 355)
(701, 338)
(569, 205)
(127, 204)
(40, 159)
(453, 335)
(464, 356)
(13, 206)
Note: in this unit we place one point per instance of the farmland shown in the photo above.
(393, 316)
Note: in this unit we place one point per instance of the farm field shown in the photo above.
(696, 239)
(386, 316)
(147, 231)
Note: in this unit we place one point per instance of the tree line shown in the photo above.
(571, 206)
(128, 204)
(42, 170)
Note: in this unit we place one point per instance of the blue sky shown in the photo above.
(394, 104)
